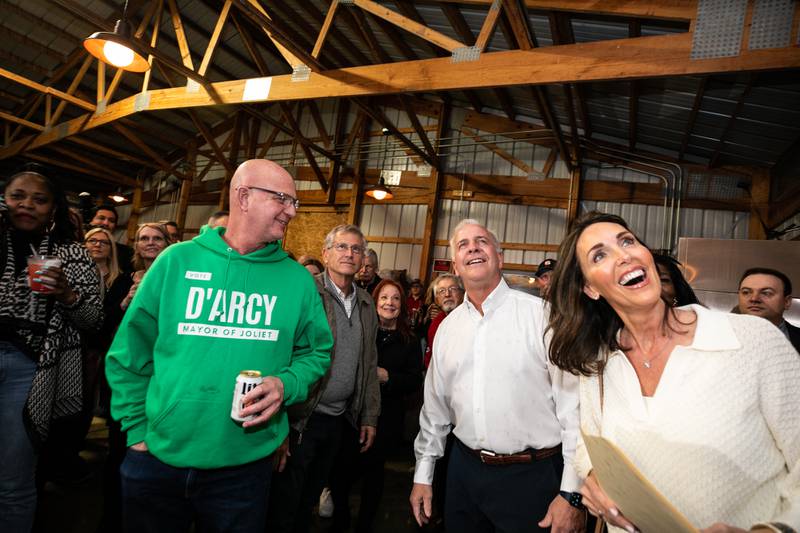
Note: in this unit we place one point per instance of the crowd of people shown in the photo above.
(156, 336)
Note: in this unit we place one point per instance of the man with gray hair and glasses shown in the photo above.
(447, 293)
(513, 414)
(342, 409)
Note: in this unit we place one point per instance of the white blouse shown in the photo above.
(720, 438)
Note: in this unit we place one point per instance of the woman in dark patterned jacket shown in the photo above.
(40, 350)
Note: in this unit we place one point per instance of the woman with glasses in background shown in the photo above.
(151, 239)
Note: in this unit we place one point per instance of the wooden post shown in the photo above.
(136, 209)
(186, 184)
(432, 218)
(574, 199)
(354, 212)
(759, 203)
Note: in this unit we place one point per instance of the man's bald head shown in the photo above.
(262, 201)
(259, 169)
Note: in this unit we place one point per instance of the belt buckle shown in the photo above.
(486, 453)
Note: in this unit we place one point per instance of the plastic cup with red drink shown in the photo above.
(36, 263)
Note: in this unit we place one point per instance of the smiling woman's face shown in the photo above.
(617, 267)
(30, 203)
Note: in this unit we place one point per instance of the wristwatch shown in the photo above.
(575, 499)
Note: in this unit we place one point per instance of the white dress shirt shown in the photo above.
(490, 378)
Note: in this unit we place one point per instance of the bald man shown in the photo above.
(227, 301)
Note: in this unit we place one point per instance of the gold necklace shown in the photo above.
(647, 363)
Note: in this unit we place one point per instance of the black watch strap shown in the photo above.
(575, 499)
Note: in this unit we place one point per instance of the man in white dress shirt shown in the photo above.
(514, 415)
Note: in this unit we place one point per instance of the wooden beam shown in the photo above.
(320, 125)
(678, 10)
(420, 30)
(80, 168)
(122, 156)
(293, 54)
(698, 98)
(72, 88)
(46, 90)
(654, 56)
(338, 134)
(287, 115)
(376, 114)
(489, 24)
(160, 161)
(500, 152)
(212, 42)
(183, 43)
(357, 192)
(731, 120)
(136, 209)
(90, 162)
(759, 206)
(186, 184)
(28, 124)
(549, 163)
(423, 136)
(432, 217)
(574, 198)
(634, 31)
(326, 26)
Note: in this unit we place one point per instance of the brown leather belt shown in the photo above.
(527, 456)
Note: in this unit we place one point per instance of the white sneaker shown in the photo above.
(325, 503)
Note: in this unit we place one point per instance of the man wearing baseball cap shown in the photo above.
(543, 274)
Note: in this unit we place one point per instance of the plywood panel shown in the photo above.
(306, 233)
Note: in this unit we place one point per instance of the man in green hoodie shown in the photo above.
(226, 301)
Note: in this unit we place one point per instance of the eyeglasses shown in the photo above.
(448, 291)
(342, 248)
(98, 242)
(285, 199)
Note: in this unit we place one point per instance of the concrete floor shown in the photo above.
(76, 508)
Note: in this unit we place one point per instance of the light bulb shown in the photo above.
(379, 194)
(118, 55)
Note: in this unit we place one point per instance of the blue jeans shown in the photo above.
(157, 497)
(17, 456)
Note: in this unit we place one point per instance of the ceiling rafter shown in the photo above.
(412, 26)
(525, 40)
(652, 56)
(698, 99)
(462, 29)
(634, 30)
(336, 33)
(732, 119)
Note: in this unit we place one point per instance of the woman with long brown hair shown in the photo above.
(704, 403)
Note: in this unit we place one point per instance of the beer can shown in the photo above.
(246, 381)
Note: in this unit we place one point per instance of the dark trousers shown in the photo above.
(158, 497)
(506, 499)
(297, 488)
(350, 465)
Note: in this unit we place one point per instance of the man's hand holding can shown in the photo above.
(263, 401)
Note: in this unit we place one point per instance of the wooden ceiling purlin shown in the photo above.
(412, 26)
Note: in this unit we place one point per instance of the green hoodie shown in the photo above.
(202, 314)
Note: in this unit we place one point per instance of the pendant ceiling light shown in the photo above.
(117, 48)
(381, 191)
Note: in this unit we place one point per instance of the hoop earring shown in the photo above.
(52, 226)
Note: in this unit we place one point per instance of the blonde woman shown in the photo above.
(151, 239)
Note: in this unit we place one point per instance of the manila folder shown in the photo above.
(636, 497)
